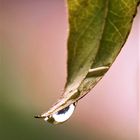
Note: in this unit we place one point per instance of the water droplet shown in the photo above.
(64, 114)
(60, 116)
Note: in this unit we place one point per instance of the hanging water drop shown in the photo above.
(60, 116)
(64, 114)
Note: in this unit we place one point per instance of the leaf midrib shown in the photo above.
(102, 33)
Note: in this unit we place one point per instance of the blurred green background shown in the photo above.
(33, 73)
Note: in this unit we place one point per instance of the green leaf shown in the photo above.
(97, 31)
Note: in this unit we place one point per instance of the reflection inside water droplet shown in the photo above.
(62, 115)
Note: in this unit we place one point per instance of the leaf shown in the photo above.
(97, 31)
(86, 21)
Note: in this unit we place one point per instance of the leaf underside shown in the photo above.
(97, 31)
